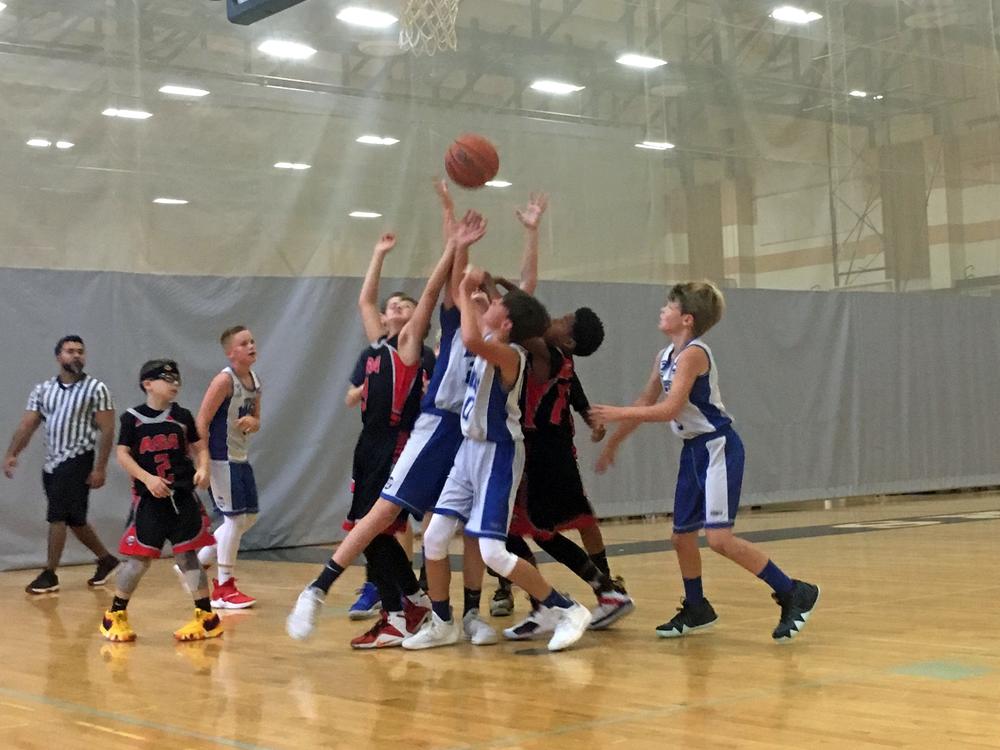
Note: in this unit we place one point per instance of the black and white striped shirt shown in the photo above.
(68, 413)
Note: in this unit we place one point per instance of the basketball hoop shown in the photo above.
(429, 26)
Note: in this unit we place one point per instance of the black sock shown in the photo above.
(472, 597)
(330, 573)
(203, 604)
(119, 604)
(600, 559)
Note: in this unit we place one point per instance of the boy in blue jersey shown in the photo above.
(481, 485)
(229, 414)
(711, 464)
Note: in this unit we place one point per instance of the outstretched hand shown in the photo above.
(470, 229)
(385, 243)
(531, 215)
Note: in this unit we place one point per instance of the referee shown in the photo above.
(74, 407)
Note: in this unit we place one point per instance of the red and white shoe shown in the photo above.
(414, 615)
(389, 631)
(227, 596)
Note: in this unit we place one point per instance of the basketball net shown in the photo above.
(428, 26)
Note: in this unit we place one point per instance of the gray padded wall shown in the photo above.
(834, 394)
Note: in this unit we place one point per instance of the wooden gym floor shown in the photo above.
(902, 652)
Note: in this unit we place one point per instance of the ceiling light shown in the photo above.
(2, 6)
(291, 165)
(128, 114)
(640, 61)
(183, 91)
(372, 19)
(498, 183)
(556, 87)
(286, 50)
(63, 145)
(655, 145)
(364, 214)
(170, 201)
(39, 143)
(791, 14)
(378, 140)
(857, 93)
(878, 97)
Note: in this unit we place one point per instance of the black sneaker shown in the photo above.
(502, 604)
(689, 617)
(796, 607)
(105, 567)
(46, 581)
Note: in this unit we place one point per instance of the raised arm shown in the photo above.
(495, 352)
(371, 316)
(464, 233)
(448, 222)
(22, 436)
(531, 216)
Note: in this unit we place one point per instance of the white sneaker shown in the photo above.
(433, 633)
(573, 623)
(539, 622)
(302, 620)
(478, 630)
(611, 607)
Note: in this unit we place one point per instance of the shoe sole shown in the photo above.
(805, 619)
(366, 614)
(423, 646)
(376, 645)
(501, 612)
(48, 590)
(118, 640)
(205, 637)
(488, 641)
(223, 604)
(688, 631)
(612, 617)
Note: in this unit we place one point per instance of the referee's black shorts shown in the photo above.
(67, 490)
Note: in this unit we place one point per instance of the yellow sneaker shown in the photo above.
(204, 625)
(115, 627)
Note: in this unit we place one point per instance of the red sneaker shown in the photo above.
(387, 632)
(414, 615)
(227, 596)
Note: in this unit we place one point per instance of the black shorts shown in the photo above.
(155, 521)
(374, 456)
(67, 490)
(553, 493)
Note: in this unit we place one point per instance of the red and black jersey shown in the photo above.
(158, 441)
(391, 390)
(547, 404)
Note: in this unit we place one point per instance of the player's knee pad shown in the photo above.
(438, 536)
(496, 556)
(245, 521)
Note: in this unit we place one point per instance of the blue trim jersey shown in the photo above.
(490, 412)
(446, 389)
(226, 441)
(703, 413)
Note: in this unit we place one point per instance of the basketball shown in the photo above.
(471, 161)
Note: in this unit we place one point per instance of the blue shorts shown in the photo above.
(481, 486)
(419, 473)
(709, 481)
(233, 488)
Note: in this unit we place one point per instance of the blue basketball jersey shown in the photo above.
(703, 413)
(490, 412)
(226, 441)
(446, 389)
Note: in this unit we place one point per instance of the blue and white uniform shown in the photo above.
(711, 467)
(483, 482)
(420, 472)
(233, 488)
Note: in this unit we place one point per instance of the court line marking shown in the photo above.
(18, 706)
(109, 730)
(128, 720)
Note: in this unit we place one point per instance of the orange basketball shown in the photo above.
(471, 161)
